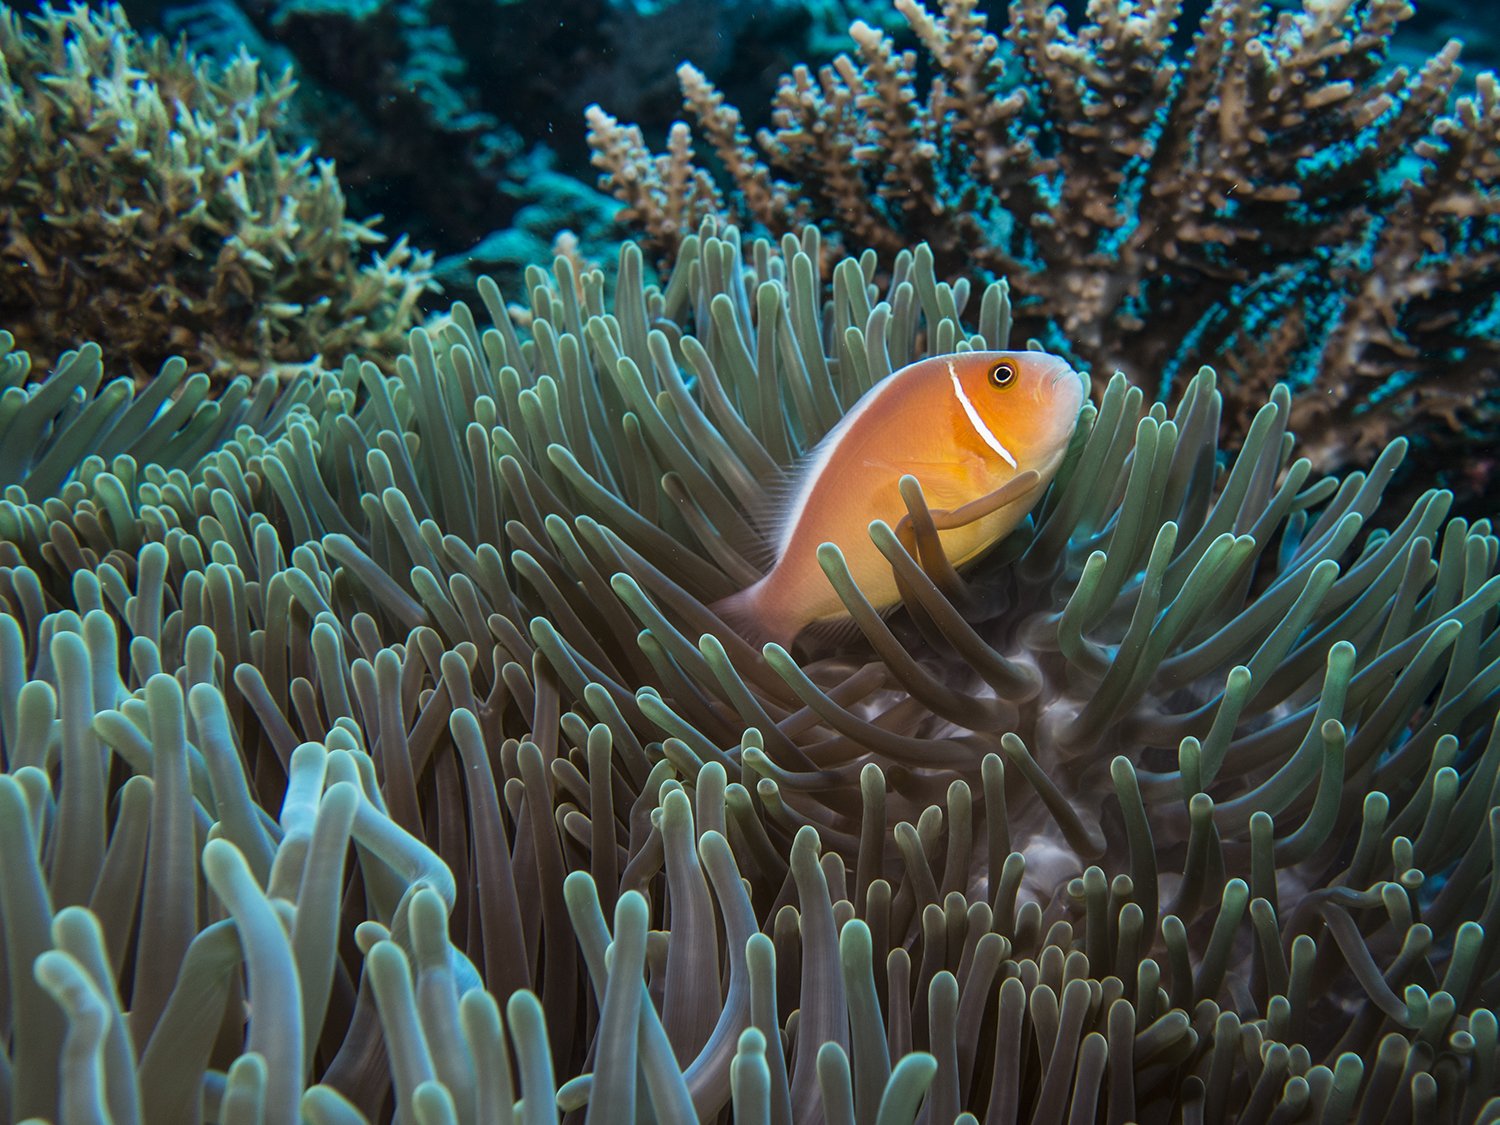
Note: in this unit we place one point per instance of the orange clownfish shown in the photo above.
(963, 425)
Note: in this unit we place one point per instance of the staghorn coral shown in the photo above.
(147, 201)
(1275, 202)
(1181, 805)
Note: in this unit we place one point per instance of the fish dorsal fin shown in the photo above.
(766, 516)
(785, 502)
(772, 516)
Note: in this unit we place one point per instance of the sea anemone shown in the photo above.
(1179, 805)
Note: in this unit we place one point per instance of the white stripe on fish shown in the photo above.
(986, 435)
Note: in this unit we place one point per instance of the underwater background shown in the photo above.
(391, 394)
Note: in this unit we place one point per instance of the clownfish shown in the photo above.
(962, 425)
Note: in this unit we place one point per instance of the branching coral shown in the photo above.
(1275, 203)
(147, 201)
(1180, 805)
(448, 115)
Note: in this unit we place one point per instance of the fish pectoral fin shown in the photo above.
(950, 495)
(946, 484)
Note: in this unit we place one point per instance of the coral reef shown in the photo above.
(148, 200)
(1274, 202)
(445, 114)
(384, 760)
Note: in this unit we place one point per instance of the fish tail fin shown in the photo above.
(750, 614)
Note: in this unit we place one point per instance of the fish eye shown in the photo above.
(1003, 374)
